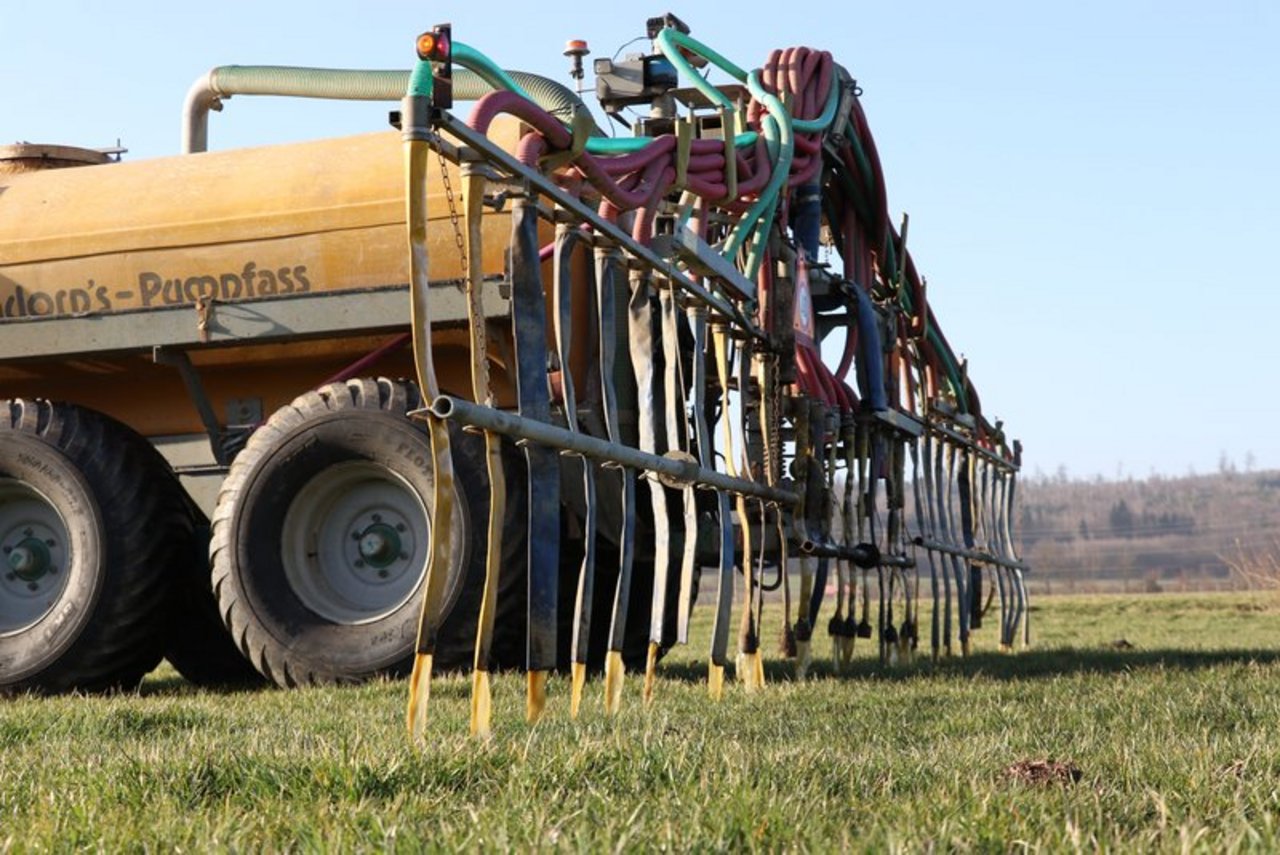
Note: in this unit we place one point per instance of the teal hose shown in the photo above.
(820, 124)
(779, 135)
(953, 370)
(421, 80)
(617, 145)
(781, 170)
(627, 145)
(470, 58)
(670, 40)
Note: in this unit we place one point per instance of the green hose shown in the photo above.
(761, 211)
(779, 134)
(472, 59)
(820, 124)
(670, 40)
(627, 145)
(421, 81)
(617, 145)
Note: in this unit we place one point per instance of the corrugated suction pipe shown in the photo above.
(211, 89)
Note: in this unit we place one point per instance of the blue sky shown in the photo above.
(1092, 185)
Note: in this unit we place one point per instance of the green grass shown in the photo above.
(1177, 739)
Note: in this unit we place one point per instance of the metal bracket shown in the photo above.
(904, 424)
(704, 260)
(178, 359)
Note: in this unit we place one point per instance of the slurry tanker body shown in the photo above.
(494, 392)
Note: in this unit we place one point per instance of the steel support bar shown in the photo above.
(544, 184)
(195, 389)
(860, 555)
(259, 321)
(678, 470)
(967, 442)
(901, 422)
(971, 554)
(702, 258)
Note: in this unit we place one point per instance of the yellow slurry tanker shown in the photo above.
(502, 391)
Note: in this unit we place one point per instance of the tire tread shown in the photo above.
(144, 522)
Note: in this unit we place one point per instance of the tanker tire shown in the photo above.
(109, 493)
(198, 645)
(455, 646)
(343, 465)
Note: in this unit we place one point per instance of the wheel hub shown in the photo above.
(355, 543)
(31, 560)
(33, 544)
(379, 545)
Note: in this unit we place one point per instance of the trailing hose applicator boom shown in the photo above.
(789, 179)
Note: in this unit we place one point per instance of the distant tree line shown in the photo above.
(1157, 531)
(1125, 523)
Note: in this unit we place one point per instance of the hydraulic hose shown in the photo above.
(871, 366)
(670, 41)
(806, 219)
(345, 84)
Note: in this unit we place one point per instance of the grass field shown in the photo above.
(1177, 743)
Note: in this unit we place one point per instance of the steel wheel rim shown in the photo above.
(36, 556)
(355, 543)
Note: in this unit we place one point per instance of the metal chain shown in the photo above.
(453, 213)
(773, 394)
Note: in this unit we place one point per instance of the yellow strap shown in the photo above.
(579, 670)
(481, 703)
(473, 209)
(614, 669)
(650, 672)
(751, 666)
(416, 155)
(536, 696)
(582, 126)
(729, 127)
(684, 148)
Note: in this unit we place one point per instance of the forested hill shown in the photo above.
(1159, 533)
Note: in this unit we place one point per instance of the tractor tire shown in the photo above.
(197, 643)
(91, 524)
(321, 536)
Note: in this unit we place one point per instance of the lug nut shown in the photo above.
(404, 556)
(32, 586)
(400, 527)
(359, 563)
(382, 574)
(377, 518)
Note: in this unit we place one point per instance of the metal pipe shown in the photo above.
(863, 555)
(346, 84)
(964, 441)
(970, 554)
(681, 471)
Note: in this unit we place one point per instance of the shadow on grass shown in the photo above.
(176, 686)
(1029, 665)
